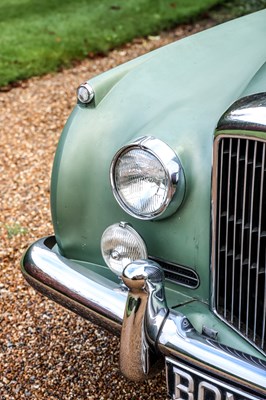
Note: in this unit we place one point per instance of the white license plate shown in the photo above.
(186, 383)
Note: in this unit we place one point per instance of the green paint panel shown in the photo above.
(176, 94)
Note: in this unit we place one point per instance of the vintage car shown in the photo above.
(158, 201)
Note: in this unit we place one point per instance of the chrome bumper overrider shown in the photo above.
(149, 329)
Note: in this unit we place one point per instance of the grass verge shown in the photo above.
(42, 36)
(236, 8)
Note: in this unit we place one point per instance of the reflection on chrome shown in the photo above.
(248, 113)
(73, 286)
(150, 330)
(257, 115)
(149, 326)
(144, 314)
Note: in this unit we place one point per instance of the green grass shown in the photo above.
(236, 8)
(15, 229)
(39, 36)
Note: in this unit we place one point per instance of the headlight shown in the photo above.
(120, 245)
(147, 179)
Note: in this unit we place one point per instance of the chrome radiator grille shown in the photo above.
(239, 190)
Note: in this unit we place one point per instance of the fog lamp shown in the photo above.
(120, 245)
(85, 93)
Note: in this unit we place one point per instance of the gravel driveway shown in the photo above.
(45, 351)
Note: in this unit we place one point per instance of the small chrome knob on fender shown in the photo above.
(145, 312)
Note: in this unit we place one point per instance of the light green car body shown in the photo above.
(177, 94)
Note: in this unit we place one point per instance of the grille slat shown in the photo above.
(240, 284)
(250, 212)
(259, 242)
(219, 232)
(227, 227)
(242, 233)
(235, 225)
(264, 316)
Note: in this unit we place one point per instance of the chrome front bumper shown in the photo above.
(149, 329)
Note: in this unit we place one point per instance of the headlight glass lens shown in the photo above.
(146, 176)
(141, 182)
(120, 245)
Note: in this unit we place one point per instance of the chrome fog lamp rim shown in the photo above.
(85, 93)
(173, 171)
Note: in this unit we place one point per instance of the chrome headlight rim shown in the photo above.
(173, 171)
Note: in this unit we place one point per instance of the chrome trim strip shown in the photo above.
(103, 302)
(185, 343)
(248, 113)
